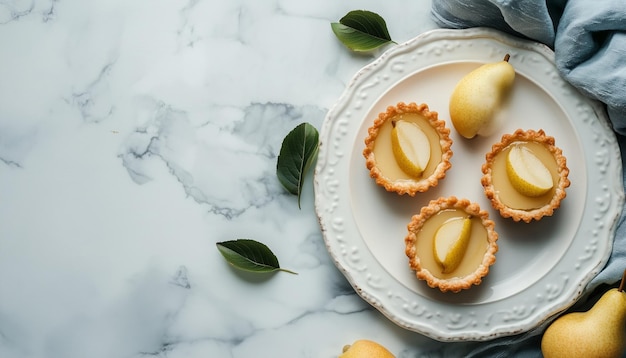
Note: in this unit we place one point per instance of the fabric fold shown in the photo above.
(590, 53)
(588, 38)
(589, 42)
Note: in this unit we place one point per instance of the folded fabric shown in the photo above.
(589, 42)
(529, 19)
(588, 37)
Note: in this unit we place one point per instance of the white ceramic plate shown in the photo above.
(541, 267)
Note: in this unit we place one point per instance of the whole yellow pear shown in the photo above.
(599, 332)
(364, 348)
(478, 96)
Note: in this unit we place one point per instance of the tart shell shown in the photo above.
(563, 182)
(454, 284)
(414, 186)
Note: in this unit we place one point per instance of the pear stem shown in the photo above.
(623, 283)
(506, 57)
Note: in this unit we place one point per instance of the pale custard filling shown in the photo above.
(474, 254)
(505, 191)
(383, 152)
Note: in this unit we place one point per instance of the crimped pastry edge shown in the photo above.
(455, 284)
(527, 216)
(410, 187)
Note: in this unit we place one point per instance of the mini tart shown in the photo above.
(385, 169)
(479, 255)
(544, 206)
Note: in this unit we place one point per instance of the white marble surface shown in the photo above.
(134, 135)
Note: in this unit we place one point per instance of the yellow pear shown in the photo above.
(527, 174)
(450, 243)
(599, 332)
(410, 147)
(478, 96)
(364, 348)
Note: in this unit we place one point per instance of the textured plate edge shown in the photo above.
(616, 190)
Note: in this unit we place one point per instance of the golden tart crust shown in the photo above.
(455, 283)
(561, 184)
(408, 186)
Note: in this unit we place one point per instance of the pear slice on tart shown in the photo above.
(408, 149)
(450, 243)
(410, 146)
(527, 173)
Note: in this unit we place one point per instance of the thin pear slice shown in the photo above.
(411, 147)
(450, 244)
(527, 174)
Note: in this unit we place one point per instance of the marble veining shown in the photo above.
(134, 135)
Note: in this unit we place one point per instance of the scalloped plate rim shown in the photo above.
(328, 198)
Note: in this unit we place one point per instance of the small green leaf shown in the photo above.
(250, 255)
(297, 153)
(362, 30)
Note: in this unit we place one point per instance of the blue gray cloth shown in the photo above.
(588, 38)
(589, 41)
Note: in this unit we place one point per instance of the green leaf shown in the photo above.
(297, 153)
(250, 255)
(362, 30)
